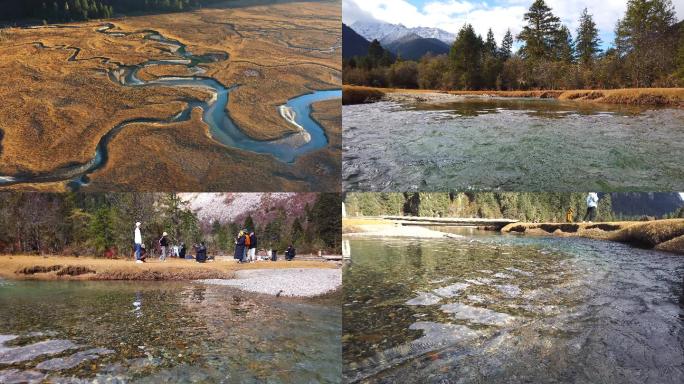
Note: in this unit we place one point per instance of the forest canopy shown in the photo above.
(648, 51)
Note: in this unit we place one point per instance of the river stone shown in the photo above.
(424, 298)
(500, 275)
(15, 376)
(451, 290)
(436, 335)
(4, 339)
(60, 363)
(509, 290)
(31, 351)
(476, 314)
(519, 271)
(480, 281)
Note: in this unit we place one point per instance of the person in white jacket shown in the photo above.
(137, 239)
(592, 206)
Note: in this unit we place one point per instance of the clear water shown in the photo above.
(512, 309)
(172, 332)
(512, 144)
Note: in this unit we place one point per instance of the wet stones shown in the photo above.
(60, 363)
(29, 352)
(476, 315)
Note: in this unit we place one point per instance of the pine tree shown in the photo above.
(506, 50)
(466, 58)
(540, 32)
(587, 40)
(490, 44)
(563, 46)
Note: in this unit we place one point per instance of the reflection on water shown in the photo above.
(511, 309)
(498, 143)
(153, 332)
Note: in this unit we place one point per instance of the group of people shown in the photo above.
(245, 248)
(592, 207)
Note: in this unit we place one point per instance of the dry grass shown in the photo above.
(666, 235)
(672, 97)
(25, 267)
(352, 94)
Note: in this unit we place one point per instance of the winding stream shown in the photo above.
(493, 308)
(310, 136)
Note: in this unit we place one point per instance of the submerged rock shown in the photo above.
(509, 290)
(519, 271)
(476, 314)
(60, 363)
(15, 376)
(451, 290)
(424, 298)
(31, 351)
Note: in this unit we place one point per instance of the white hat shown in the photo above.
(137, 223)
(165, 234)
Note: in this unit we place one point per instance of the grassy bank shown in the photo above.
(26, 267)
(671, 97)
(663, 235)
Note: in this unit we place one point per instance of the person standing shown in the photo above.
(240, 247)
(252, 246)
(137, 240)
(592, 206)
(290, 253)
(163, 244)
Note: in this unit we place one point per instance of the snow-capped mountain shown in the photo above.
(387, 33)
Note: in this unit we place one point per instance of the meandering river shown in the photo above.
(310, 135)
(511, 144)
(163, 332)
(492, 308)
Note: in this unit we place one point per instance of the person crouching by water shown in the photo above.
(181, 251)
(252, 246)
(592, 205)
(570, 215)
(290, 253)
(240, 247)
(201, 253)
(164, 244)
(137, 241)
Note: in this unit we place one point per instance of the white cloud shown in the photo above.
(499, 15)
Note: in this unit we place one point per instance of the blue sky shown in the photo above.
(499, 15)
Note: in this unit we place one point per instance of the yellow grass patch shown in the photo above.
(27, 267)
(352, 94)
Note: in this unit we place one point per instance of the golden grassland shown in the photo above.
(664, 235)
(55, 110)
(29, 267)
(329, 159)
(672, 97)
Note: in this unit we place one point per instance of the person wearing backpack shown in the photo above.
(245, 256)
(163, 244)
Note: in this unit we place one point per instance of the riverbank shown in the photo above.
(26, 267)
(294, 282)
(669, 97)
(377, 227)
(662, 235)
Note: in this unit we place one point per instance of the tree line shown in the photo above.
(78, 10)
(648, 51)
(524, 206)
(98, 224)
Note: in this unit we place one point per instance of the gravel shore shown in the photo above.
(400, 231)
(300, 282)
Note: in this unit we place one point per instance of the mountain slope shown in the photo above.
(413, 47)
(353, 44)
(652, 204)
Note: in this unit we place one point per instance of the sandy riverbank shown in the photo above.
(375, 227)
(663, 235)
(671, 97)
(26, 267)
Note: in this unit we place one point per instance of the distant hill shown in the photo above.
(353, 44)
(413, 47)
